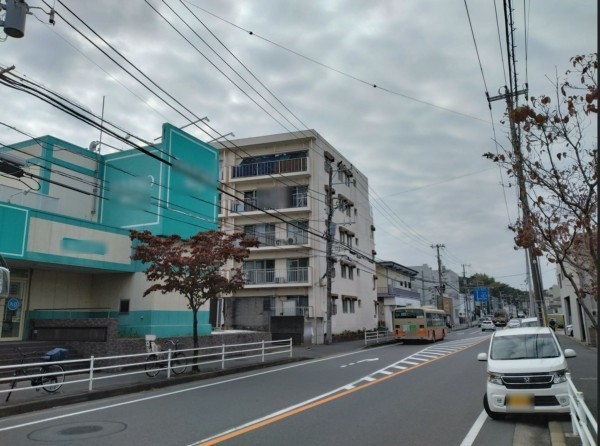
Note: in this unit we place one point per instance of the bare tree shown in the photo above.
(560, 168)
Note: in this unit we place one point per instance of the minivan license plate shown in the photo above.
(519, 401)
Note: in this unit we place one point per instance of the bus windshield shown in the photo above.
(408, 313)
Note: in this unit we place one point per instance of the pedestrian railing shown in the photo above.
(378, 336)
(95, 370)
(582, 420)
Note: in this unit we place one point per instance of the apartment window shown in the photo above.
(265, 233)
(250, 200)
(348, 305)
(351, 273)
(344, 271)
(124, 306)
(299, 196)
(297, 269)
(298, 231)
(259, 271)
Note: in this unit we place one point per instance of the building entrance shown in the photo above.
(13, 312)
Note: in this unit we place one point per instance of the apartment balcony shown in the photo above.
(295, 202)
(268, 278)
(270, 241)
(287, 167)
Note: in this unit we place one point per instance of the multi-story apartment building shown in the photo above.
(276, 187)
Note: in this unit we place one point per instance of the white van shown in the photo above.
(526, 373)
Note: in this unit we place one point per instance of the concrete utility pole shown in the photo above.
(440, 299)
(329, 248)
(467, 313)
(511, 96)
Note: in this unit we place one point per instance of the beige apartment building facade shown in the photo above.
(276, 188)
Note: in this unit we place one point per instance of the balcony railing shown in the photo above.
(270, 168)
(272, 276)
(297, 201)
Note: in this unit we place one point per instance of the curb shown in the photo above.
(557, 438)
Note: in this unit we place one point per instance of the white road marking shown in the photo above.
(474, 431)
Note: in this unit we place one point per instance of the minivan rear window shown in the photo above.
(524, 346)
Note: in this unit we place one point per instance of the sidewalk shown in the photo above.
(105, 385)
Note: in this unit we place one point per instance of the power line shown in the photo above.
(370, 84)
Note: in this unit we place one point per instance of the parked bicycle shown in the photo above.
(49, 377)
(155, 362)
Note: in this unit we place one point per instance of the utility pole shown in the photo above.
(440, 299)
(467, 313)
(511, 96)
(329, 248)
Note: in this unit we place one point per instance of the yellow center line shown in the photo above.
(259, 424)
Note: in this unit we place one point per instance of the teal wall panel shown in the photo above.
(162, 323)
(14, 222)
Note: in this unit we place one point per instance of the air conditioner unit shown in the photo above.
(280, 280)
(281, 241)
(239, 207)
(291, 241)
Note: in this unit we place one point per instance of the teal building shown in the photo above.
(65, 216)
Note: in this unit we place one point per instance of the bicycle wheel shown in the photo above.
(178, 363)
(53, 378)
(152, 367)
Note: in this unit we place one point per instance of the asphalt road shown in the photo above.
(395, 394)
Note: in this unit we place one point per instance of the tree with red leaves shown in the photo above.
(560, 170)
(193, 267)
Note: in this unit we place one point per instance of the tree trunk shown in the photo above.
(195, 366)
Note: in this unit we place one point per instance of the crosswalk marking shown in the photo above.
(431, 353)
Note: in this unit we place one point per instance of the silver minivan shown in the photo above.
(526, 373)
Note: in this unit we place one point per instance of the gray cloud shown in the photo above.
(421, 159)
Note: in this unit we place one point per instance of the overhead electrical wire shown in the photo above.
(109, 131)
(97, 34)
(370, 84)
(63, 5)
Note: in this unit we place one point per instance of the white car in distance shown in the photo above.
(488, 325)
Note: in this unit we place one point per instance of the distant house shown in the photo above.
(394, 289)
(573, 310)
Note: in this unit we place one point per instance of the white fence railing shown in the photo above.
(378, 336)
(582, 420)
(96, 369)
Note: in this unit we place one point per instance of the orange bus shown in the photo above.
(419, 323)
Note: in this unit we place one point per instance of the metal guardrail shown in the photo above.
(581, 417)
(86, 370)
(379, 336)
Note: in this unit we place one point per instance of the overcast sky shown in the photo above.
(419, 137)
